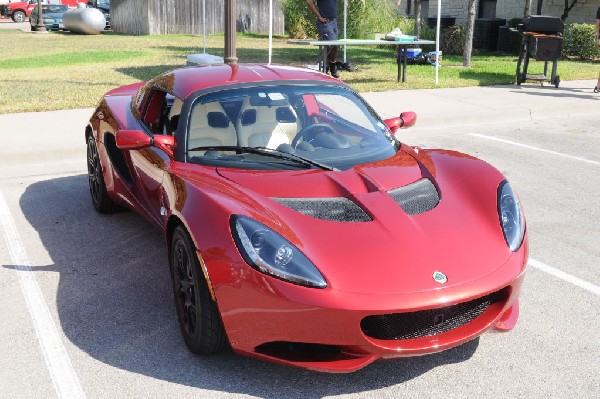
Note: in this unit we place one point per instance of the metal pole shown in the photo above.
(437, 41)
(345, 25)
(270, 30)
(204, 24)
(230, 29)
(39, 26)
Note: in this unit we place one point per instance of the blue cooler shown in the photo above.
(411, 53)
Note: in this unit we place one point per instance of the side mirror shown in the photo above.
(166, 143)
(133, 140)
(137, 140)
(406, 119)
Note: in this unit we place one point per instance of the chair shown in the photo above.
(263, 122)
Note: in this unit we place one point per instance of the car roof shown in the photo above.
(185, 81)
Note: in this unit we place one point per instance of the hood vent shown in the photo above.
(337, 209)
(418, 197)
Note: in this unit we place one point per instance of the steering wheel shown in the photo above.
(310, 132)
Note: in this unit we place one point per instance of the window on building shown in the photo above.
(487, 8)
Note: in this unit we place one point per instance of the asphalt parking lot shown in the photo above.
(86, 307)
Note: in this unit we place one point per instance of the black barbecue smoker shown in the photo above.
(542, 40)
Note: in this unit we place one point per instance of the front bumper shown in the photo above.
(325, 330)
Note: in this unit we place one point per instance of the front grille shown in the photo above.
(425, 323)
(418, 197)
(336, 209)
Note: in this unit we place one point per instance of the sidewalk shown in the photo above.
(489, 104)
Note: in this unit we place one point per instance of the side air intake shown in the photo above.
(337, 209)
(418, 197)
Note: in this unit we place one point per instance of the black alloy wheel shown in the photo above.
(100, 199)
(197, 313)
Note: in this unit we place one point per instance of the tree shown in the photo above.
(527, 11)
(468, 49)
(417, 18)
(568, 9)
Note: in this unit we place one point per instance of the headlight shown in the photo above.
(270, 253)
(511, 216)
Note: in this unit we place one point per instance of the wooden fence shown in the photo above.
(149, 17)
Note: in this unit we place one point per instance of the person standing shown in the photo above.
(597, 88)
(326, 13)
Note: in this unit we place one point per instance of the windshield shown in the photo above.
(54, 8)
(329, 126)
(105, 3)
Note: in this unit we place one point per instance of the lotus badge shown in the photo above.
(440, 277)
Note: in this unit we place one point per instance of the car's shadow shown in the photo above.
(114, 301)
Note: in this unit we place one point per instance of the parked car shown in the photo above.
(20, 10)
(299, 229)
(52, 16)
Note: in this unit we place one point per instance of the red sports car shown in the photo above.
(300, 230)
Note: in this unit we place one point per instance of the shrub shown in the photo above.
(364, 17)
(452, 40)
(580, 41)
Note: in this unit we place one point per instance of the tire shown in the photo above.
(199, 318)
(18, 16)
(33, 28)
(100, 199)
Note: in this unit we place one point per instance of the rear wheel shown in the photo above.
(18, 16)
(100, 199)
(197, 313)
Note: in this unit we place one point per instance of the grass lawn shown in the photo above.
(41, 72)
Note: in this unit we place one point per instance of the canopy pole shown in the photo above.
(270, 30)
(345, 25)
(437, 42)
(204, 24)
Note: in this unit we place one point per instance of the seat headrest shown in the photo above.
(285, 115)
(248, 117)
(217, 120)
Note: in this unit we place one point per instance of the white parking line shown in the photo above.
(586, 285)
(58, 362)
(483, 136)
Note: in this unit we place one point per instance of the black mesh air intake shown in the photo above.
(418, 197)
(398, 326)
(337, 209)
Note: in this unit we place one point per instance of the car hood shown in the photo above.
(395, 250)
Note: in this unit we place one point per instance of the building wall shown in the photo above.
(583, 12)
(143, 17)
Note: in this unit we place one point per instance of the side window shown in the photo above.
(345, 109)
(152, 115)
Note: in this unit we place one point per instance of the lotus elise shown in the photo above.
(300, 229)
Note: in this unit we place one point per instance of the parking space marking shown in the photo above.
(66, 383)
(483, 136)
(586, 285)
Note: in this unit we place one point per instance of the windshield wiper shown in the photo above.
(268, 152)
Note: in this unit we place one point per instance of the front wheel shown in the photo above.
(18, 16)
(100, 199)
(198, 316)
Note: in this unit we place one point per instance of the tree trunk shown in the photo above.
(417, 18)
(469, 33)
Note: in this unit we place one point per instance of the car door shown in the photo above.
(149, 164)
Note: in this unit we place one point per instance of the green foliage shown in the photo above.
(364, 17)
(580, 41)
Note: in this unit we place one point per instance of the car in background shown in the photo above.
(52, 16)
(19, 10)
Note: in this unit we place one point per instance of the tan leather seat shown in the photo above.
(266, 125)
(210, 126)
